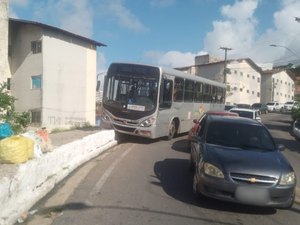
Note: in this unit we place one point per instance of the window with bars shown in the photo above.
(36, 116)
(36, 47)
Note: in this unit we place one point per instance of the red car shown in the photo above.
(196, 122)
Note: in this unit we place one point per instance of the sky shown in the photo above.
(172, 32)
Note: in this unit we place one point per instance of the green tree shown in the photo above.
(296, 110)
(18, 121)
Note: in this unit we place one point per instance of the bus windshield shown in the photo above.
(129, 89)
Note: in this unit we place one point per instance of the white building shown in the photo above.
(53, 74)
(279, 86)
(243, 82)
(246, 82)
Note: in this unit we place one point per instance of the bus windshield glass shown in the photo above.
(132, 88)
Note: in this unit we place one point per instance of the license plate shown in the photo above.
(252, 195)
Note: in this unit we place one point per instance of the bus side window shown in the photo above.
(165, 98)
(178, 89)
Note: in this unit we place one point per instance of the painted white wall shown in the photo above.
(283, 87)
(245, 83)
(25, 64)
(69, 83)
(4, 66)
(68, 68)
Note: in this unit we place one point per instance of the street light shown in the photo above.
(281, 46)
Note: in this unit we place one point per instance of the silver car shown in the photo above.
(235, 159)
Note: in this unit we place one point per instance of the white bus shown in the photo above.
(152, 101)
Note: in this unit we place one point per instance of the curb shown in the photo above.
(35, 178)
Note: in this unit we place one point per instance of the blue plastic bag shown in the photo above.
(5, 130)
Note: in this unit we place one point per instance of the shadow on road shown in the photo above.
(181, 146)
(176, 180)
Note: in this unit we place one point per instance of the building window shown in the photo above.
(8, 84)
(241, 89)
(35, 116)
(36, 82)
(253, 77)
(258, 80)
(247, 91)
(253, 92)
(258, 94)
(248, 75)
(36, 47)
(9, 50)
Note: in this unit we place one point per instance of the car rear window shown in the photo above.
(244, 113)
(240, 135)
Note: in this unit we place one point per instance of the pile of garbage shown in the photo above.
(20, 148)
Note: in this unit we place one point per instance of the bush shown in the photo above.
(18, 121)
(296, 110)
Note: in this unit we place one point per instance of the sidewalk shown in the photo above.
(22, 185)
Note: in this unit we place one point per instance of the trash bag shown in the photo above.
(5, 130)
(44, 140)
(16, 149)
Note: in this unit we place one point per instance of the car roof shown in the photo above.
(233, 119)
(221, 113)
(242, 109)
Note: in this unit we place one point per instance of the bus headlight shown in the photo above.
(105, 117)
(148, 122)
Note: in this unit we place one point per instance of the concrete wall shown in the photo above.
(4, 67)
(24, 64)
(68, 69)
(18, 193)
(283, 87)
(278, 87)
(245, 83)
(69, 87)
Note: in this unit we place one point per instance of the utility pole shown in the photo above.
(225, 63)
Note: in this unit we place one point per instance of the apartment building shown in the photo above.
(278, 86)
(53, 74)
(246, 82)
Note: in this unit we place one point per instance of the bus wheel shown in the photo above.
(172, 130)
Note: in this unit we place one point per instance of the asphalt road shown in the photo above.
(148, 182)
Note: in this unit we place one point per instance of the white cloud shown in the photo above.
(171, 58)
(238, 32)
(101, 62)
(116, 10)
(73, 15)
(18, 2)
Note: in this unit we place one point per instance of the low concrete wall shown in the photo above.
(35, 178)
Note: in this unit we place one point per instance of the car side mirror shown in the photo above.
(195, 121)
(281, 147)
(196, 138)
